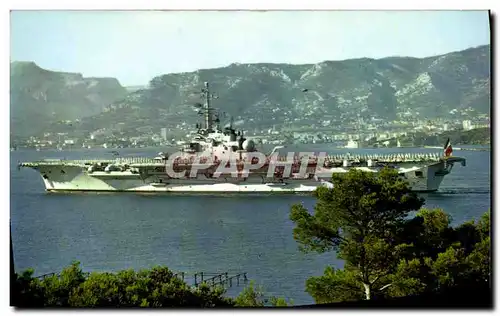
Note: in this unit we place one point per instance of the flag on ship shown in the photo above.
(447, 148)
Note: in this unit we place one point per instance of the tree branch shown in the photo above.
(383, 274)
(385, 286)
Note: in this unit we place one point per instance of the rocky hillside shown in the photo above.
(262, 95)
(39, 97)
(268, 94)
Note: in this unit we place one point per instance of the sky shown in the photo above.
(135, 46)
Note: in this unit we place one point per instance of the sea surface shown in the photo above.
(234, 233)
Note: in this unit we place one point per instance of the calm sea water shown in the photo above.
(252, 234)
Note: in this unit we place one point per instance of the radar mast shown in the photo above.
(208, 96)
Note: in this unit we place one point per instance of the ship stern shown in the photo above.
(436, 173)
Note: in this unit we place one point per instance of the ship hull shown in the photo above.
(76, 179)
(208, 188)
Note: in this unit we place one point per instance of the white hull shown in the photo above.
(200, 188)
(74, 178)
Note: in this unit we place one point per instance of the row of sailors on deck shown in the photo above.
(388, 157)
(330, 158)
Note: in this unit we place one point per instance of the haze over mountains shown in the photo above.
(260, 95)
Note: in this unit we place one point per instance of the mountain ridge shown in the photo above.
(334, 60)
(271, 63)
(269, 94)
(39, 97)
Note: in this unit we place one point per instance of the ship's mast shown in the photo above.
(208, 110)
(208, 117)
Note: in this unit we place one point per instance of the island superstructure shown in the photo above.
(222, 160)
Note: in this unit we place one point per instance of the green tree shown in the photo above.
(156, 287)
(359, 218)
(27, 290)
(57, 289)
(335, 286)
(408, 256)
(466, 262)
(254, 296)
(251, 296)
